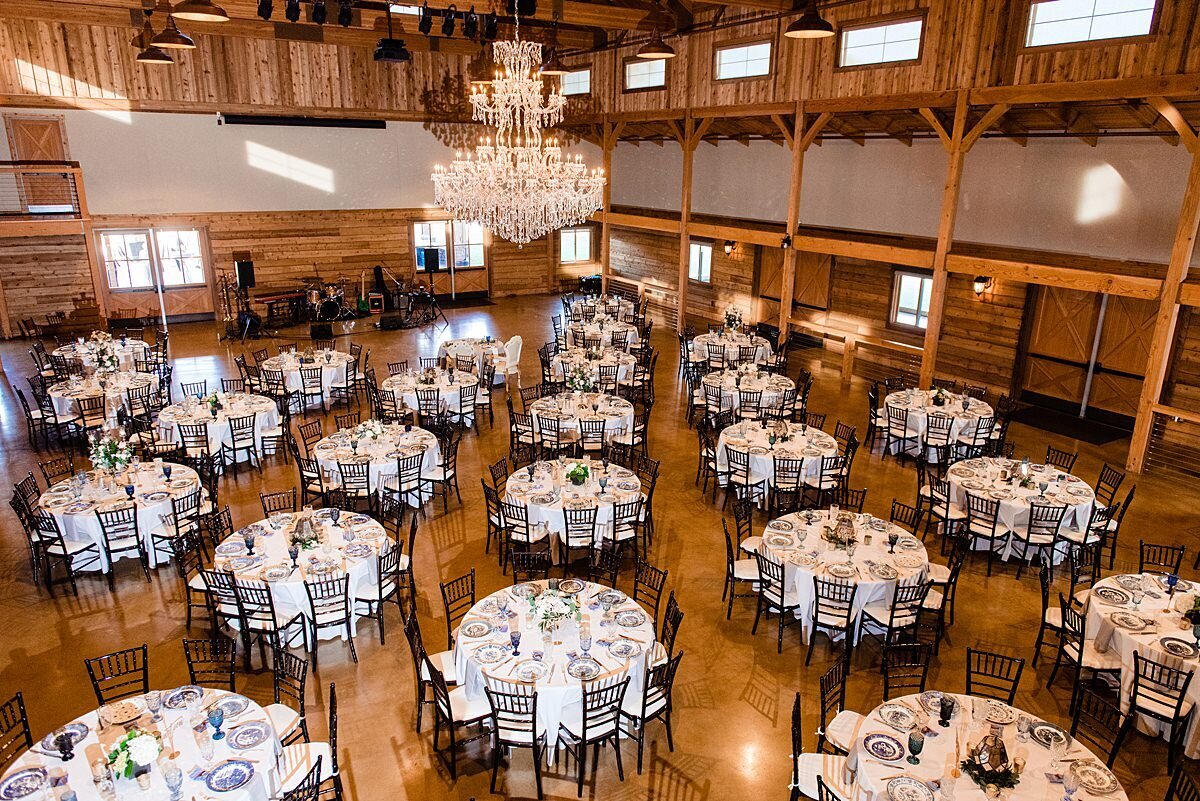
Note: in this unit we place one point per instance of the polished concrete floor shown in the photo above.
(734, 693)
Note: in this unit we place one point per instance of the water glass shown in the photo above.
(173, 777)
(514, 637)
(129, 491)
(205, 746)
(154, 703)
(166, 470)
(916, 742)
(216, 716)
(1024, 724)
(585, 640)
(1070, 784)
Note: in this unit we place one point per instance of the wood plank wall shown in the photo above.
(652, 262)
(41, 274)
(981, 335)
(1183, 385)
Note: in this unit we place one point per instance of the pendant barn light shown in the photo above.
(319, 12)
(811, 25)
(656, 48)
(265, 8)
(173, 38)
(291, 10)
(144, 40)
(200, 11)
(552, 65)
(391, 50)
(491, 27)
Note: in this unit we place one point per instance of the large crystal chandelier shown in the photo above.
(518, 185)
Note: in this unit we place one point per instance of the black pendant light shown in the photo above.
(656, 48)
(345, 13)
(448, 20)
(389, 49)
(811, 25)
(148, 53)
(291, 10)
(552, 65)
(200, 11)
(265, 7)
(172, 38)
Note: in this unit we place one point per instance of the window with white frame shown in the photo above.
(430, 235)
(575, 245)
(881, 43)
(743, 60)
(700, 262)
(577, 82)
(1054, 22)
(911, 292)
(468, 244)
(645, 73)
(144, 258)
(465, 240)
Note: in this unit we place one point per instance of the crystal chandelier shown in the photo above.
(519, 185)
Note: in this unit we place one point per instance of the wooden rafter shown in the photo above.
(1171, 114)
(1151, 120)
(985, 123)
(936, 124)
(848, 131)
(813, 131)
(893, 127)
(784, 128)
(1073, 120)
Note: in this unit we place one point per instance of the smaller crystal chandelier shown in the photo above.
(519, 185)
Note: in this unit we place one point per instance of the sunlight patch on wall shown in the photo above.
(288, 166)
(1101, 194)
(40, 80)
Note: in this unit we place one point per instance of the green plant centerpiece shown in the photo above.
(304, 535)
(134, 752)
(551, 607)
(1193, 615)
(987, 764)
(939, 396)
(578, 474)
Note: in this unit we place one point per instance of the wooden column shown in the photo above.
(1168, 310)
(689, 136)
(958, 142)
(799, 139)
(611, 135)
(99, 285)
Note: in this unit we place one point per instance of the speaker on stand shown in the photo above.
(249, 323)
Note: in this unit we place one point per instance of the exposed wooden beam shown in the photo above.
(785, 129)
(936, 124)
(985, 123)
(611, 135)
(1131, 286)
(802, 141)
(690, 135)
(847, 131)
(1171, 114)
(1082, 91)
(1013, 131)
(892, 254)
(811, 132)
(1151, 120)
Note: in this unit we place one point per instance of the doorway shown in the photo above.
(157, 272)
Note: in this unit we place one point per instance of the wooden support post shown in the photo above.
(803, 135)
(1158, 360)
(89, 242)
(612, 134)
(937, 301)
(689, 134)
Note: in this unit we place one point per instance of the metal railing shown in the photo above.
(1174, 446)
(38, 190)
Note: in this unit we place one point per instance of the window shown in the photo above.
(885, 42)
(176, 260)
(1060, 21)
(910, 299)
(464, 239)
(700, 262)
(575, 245)
(743, 61)
(577, 82)
(645, 73)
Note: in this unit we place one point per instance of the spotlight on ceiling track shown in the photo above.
(291, 10)
(425, 24)
(265, 9)
(345, 13)
(471, 24)
(200, 11)
(491, 27)
(448, 20)
(319, 12)
(389, 50)
(810, 25)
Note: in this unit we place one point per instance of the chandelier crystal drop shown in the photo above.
(519, 185)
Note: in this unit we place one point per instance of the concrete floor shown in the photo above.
(734, 693)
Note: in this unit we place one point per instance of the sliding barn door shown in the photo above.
(1061, 333)
(1123, 354)
(40, 138)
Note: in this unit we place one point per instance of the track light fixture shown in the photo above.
(491, 27)
(810, 25)
(471, 24)
(425, 24)
(448, 20)
(319, 12)
(345, 13)
(291, 10)
(265, 9)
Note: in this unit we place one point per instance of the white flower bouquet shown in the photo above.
(733, 318)
(137, 749)
(551, 608)
(580, 380)
(368, 429)
(109, 453)
(102, 353)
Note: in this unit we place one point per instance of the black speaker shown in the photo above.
(432, 258)
(320, 331)
(245, 274)
(391, 321)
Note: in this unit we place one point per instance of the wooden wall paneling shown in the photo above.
(1127, 333)
(519, 271)
(812, 279)
(981, 335)
(1183, 386)
(650, 260)
(43, 274)
(1059, 344)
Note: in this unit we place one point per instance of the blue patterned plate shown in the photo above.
(625, 649)
(231, 548)
(22, 783)
(585, 669)
(229, 775)
(524, 590)
(180, 697)
(233, 705)
(77, 731)
(630, 618)
(883, 746)
(249, 735)
(490, 654)
(474, 629)
(570, 586)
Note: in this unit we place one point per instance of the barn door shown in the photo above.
(1122, 355)
(1061, 333)
(40, 138)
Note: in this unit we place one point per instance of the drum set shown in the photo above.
(327, 301)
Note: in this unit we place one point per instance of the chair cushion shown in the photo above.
(572, 721)
(843, 729)
(751, 544)
(939, 574)
(297, 760)
(443, 661)
(831, 769)
(465, 709)
(1053, 618)
(745, 570)
(73, 547)
(283, 719)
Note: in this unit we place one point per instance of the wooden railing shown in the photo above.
(1174, 446)
(888, 357)
(39, 190)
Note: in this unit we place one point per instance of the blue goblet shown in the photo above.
(167, 472)
(129, 491)
(514, 637)
(216, 716)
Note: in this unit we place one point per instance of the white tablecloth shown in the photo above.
(571, 359)
(471, 347)
(177, 734)
(127, 353)
(809, 444)
(557, 692)
(65, 395)
(982, 477)
(543, 496)
(613, 306)
(383, 453)
(733, 341)
(733, 381)
(919, 404)
(797, 543)
(236, 404)
(568, 407)
(271, 550)
(77, 518)
(332, 363)
(939, 755)
(405, 387)
(603, 331)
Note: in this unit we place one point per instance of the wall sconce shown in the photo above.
(787, 241)
(982, 284)
(729, 246)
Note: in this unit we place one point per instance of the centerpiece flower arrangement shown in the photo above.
(110, 453)
(580, 380)
(137, 749)
(427, 377)
(578, 473)
(213, 401)
(988, 766)
(733, 318)
(304, 535)
(551, 607)
(367, 429)
(939, 396)
(1193, 615)
(841, 533)
(102, 352)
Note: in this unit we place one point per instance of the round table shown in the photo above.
(396, 442)
(332, 363)
(919, 404)
(1163, 615)
(602, 330)
(570, 359)
(332, 553)
(733, 341)
(560, 694)
(233, 404)
(797, 542)
(944, 747)
(982, 477)
(733, 381)
(128, 353)
(450, 385)
(805, 443)
(545, 492)
(76, 514)
(478, 348)
(613, 306)
(248, 727)
(65, 395)
(570, 407)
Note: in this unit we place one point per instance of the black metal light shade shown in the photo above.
(265, 8)
(491, 27)
(172, 38)
(425, 24)
(345, 13)
(471, 24)
(810, 25)
(154, 55)
(200, 11)
(291, 10)
(448, 20)
(656, 48)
